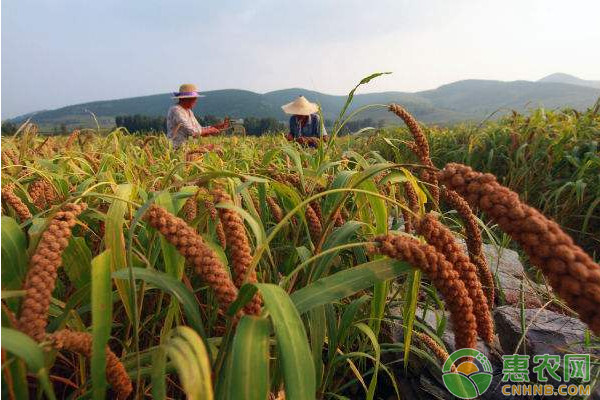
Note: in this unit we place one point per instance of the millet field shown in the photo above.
(256, 268)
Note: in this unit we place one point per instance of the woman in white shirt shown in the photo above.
(181, 122)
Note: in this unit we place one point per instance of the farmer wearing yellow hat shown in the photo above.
(181, 122)
(305, 120)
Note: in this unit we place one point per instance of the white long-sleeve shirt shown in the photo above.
(181, 124)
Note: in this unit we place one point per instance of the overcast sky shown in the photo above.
(61, 52)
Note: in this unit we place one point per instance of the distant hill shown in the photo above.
(480, 97)
(570, 79)
(458, 101)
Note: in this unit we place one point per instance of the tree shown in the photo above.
(136, 124)
(260, 126)
(208, 120)
(8, 128)
(141, 123)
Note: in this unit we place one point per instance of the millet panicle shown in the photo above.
(571, 272)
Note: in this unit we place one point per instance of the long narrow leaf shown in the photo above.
(27, 349)
(115, 241)
(346, 283)
(317, 325)
(159, 371)
(410, 308)
(188, 353)
(14, 257)
(174, 262)
(77, 259)
(373, 338)
(340, 236)
(294, 352)
(101, 321)
(250, 360)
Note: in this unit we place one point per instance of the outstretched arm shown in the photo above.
(214, 129)
(208, 131)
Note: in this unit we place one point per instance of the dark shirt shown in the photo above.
(311, 128)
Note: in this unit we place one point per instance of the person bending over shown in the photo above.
(305, 121)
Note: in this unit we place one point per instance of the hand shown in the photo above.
(223, 125)
(289, 137)
(209, 131)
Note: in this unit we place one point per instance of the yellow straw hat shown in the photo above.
(186, 91)
(300, 106)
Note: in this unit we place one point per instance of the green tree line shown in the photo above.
(143, 124)
(9, 128)
(254, 126)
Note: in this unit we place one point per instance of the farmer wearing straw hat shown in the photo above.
(181, 122)
(305, 120)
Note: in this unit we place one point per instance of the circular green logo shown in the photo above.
(472, 376)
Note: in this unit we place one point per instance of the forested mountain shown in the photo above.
(458, 101)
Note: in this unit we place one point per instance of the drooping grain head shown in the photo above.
(421, 148)
(11, 199)
(239, 247)
(276, 211)
(338, 219)
(72, 137)
(473, 240)
(190, 209)
(440, 353)
(94, 160)
(571, 272)
(81, 343)
(9, 157)
(43, 268)
(220, 231)
(149, 155)
(197, 253)
(314, 224)
(446, 280)
(440, 237)
(411, 197)
(42, 194)
(316, 206)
